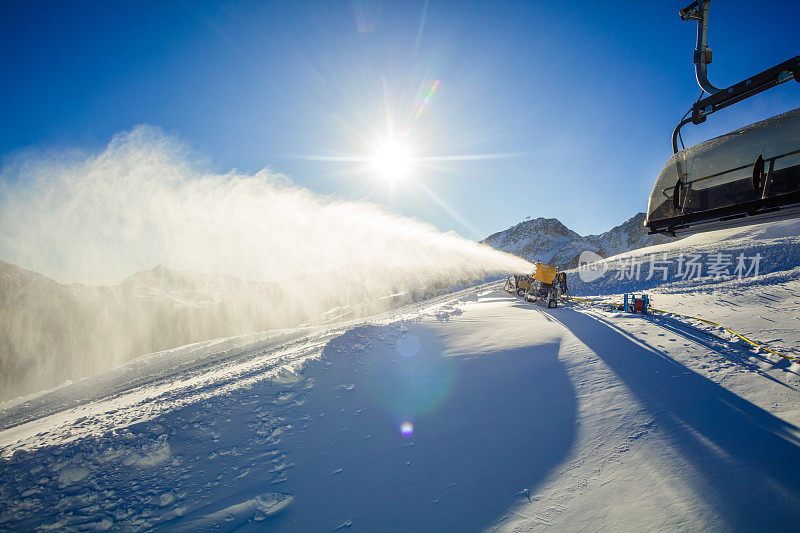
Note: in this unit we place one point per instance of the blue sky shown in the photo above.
(574, 101)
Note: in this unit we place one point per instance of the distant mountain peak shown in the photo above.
(550, 241)
(549, 224)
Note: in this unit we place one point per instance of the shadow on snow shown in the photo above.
(747, 460)
(485, 428)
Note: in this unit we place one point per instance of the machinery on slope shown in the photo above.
(747, 176)
(547, 285)
(519, 283)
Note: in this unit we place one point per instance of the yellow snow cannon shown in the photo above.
(544, 273)
(544, 289)
(546, 284)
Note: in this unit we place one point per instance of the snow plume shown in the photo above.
(142, 202)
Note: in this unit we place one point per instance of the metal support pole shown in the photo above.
(698, 11)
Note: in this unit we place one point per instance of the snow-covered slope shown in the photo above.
(469, 411)
(740, 254)
(475, 411)
(54, 332)
(549, 241)
(706, 272)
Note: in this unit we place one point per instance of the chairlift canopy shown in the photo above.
(744, 177)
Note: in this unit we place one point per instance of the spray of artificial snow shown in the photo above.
(142, 202)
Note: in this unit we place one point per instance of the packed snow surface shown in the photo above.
(470, 411)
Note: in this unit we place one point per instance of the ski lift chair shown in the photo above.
(747, 176)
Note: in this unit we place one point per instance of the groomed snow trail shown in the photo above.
(473, 411)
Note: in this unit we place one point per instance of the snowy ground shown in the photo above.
(472, 411)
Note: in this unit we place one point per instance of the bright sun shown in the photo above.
(391, 160)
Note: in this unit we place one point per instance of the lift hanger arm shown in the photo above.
(721, 98)
(789, 69)
(698, 10)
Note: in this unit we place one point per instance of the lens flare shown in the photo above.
(424, 97)
(408, 345)
(406, 429)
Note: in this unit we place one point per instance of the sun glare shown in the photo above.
(391, 160)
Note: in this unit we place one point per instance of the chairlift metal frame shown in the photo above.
(761, 205)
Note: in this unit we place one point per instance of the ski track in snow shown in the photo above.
(520, 418)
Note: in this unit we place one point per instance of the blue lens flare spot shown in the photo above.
(407, 429)
(408, 345)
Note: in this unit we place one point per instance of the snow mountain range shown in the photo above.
(549, 241)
